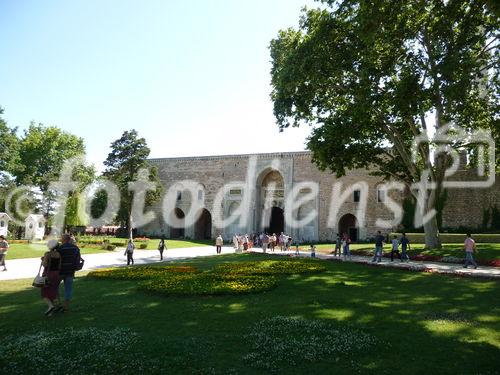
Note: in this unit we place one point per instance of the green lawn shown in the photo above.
(418, 323)
(179, 244)
(486, 251)
(34, 250)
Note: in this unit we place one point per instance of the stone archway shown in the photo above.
(349, 224)
(178, 232)
(277, 221)
(271, 196)
(203, 226)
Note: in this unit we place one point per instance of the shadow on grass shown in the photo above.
(423, 322)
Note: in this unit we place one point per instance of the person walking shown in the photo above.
(162, 246)
(379, 244)
(70, 259)
(395, 249)
(313, 251)
(235, 242)
(346, 242)
(405, 245)
(265, 242)
(129, 252)
(338, 245)
(51, 262)
(272, 242)
(470, 248)
(4, 246)
(218, 244)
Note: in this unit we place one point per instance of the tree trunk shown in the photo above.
(432, 240)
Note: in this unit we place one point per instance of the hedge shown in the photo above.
(419, 238)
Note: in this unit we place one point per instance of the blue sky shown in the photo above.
(191, 76)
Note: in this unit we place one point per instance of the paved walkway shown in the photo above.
(27, 268)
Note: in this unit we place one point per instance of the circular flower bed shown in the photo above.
(207, 283)
(270, 267)
(141, 272)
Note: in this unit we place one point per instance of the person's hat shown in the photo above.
(51, 244)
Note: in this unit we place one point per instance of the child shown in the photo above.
(313, 251)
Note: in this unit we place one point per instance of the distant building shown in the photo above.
(4, 223)
(34, 227)
(276, 175)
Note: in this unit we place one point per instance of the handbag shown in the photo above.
(40, 281)
(80, 264)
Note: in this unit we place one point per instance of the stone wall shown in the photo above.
(210, 174)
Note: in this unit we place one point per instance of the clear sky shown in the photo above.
(191, 76)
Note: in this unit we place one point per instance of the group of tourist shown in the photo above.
(342, 245)
(380, 241)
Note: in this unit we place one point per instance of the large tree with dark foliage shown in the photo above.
(371, 76)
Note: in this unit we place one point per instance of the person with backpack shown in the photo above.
(70, 262)
(51, 262)
(129, 252)
(161, 247)
(218, 244)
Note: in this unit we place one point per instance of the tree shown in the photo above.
(127, 158)
(43, 150)
(9, 148)
(373, 76)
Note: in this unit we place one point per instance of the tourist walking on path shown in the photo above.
(338, 245)
(129, 252)
(272, 242)
(4, 246)
(51, 262)
(405, 245)
(162, 246)
(70, 260)
(379, 244)
(235, 242)
(313, 251)
(265, 242)
(218, 244)
(395, 249)
(346, 242)
(470, 248)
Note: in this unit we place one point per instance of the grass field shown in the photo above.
(37, 249)
(403, 323)
(34, 250)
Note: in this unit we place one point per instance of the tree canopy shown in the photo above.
(127, 158)
(372, 76)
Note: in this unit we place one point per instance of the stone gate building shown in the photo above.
(270, 178)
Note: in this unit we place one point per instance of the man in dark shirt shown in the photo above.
(70, 258)
(379, 244)
(405, 245)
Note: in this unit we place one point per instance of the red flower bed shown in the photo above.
(490, 263)
(428, 258)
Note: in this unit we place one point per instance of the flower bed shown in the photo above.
(271, 267)
(140, 273)
(207, 283)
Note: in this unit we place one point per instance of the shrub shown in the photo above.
(143, 246)
(139, 273)
(207, 283)
(110, 247)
